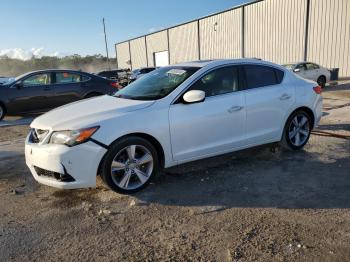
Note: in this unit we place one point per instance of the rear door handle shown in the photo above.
(285, 97)
(46, 88)
(235, 109)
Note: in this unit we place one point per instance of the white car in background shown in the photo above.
(173, 115)
(311, 71)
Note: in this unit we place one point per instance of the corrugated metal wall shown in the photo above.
(123, 55)
(138, 52)
(156, 42)
(275, 30)
(220, 35)
(329, 34)
(183, 43)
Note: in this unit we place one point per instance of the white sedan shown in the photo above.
(311, 71)
(173, 115)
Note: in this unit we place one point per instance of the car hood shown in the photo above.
(87, 112)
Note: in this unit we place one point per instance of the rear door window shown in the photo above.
(67, 78)
(260, 75)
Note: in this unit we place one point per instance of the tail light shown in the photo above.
(115, 85)
(317, 89)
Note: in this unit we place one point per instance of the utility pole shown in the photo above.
(104, 30)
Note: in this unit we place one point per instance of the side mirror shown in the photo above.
(194, 96)
(18, 85)
(296, 70)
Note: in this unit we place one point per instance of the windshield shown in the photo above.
(289, 66)
(157, 84)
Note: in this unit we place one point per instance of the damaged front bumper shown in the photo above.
(64, 167)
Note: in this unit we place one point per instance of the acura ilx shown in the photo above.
(173, 115)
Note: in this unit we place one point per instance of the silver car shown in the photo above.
(311, 71)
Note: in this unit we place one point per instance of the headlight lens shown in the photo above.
(72, 138)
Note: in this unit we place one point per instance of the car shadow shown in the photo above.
(258, 178)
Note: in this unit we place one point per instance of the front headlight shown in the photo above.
(72, 138)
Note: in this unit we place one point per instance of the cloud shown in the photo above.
(19, 53)
(154, 29)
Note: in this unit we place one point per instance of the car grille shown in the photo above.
(37, 135)
(58, 176)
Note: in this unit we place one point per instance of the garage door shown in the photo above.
(161, 58)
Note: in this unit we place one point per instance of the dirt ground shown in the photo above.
(253, 205)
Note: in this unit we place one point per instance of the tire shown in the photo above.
(129, 165)
(2, 112)
(321, 81)
(92, 95)
(297, 131)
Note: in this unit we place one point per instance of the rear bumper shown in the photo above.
(78, 165)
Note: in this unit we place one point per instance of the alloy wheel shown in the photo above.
(132, 167)
(299, 130)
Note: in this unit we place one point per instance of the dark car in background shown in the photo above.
(114, 74)
(137, 73)
(119, 75)
(43, 90)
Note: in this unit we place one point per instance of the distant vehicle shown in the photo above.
(43, 90)
(137, 73)
(311, 71)
(116, 74)
(173, 115)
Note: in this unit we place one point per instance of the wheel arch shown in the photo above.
(149, 138)
(306, 110)
(4, 106)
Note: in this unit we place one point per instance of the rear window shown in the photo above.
(259, 76)
(67, 78)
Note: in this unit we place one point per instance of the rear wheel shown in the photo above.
(297, 131)
(321, 81)
(2, 112)
(129, 165)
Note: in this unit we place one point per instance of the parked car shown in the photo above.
(173, 115)
(114, 74)
(43, 90)
(137, 73)
(311, 71)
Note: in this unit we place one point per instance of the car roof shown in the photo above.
(57, 70)
(300, 62)
(217, 62)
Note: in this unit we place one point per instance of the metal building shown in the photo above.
(280, 31)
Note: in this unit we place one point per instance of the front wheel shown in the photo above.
(2, 112)
(297, 131)
(129, 165)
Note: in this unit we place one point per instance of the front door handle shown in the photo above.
(235, 109)
(285, 97)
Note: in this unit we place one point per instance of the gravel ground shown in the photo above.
(252, 205)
